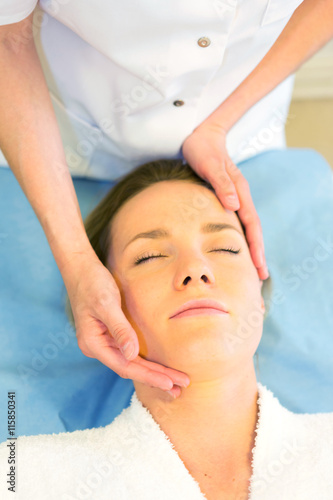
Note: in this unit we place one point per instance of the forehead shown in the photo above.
(180, 204)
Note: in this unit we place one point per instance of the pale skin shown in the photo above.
(212, 422)
(31, 142)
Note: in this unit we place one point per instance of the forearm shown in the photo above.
(31, 142)
(309, 28)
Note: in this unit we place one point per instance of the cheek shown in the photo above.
(248, 316)
(236, 278)
(141, 302)
(247, 294)
(145, 309)
(241, 290)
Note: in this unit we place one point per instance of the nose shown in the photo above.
(193, 273)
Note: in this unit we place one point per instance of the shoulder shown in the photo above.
(312, 426)
(55, 441)
(294, 451)
(128, 428)
(79, 439)
(82, 459)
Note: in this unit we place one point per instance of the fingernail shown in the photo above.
(127, 349)
(185, 384)
(232, 198)
(171, 394)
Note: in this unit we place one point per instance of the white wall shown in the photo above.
(314, 79)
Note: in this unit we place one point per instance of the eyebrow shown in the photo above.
(206, 228)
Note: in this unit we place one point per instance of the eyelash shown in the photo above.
(148, 257)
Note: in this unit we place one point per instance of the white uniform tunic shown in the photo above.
(130, 80)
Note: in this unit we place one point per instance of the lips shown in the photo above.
(201, 304)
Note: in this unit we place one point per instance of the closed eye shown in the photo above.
(231, 250)
(148, 257)
(139, 260)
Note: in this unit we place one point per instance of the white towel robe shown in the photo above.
(115, 69)
(132, 459)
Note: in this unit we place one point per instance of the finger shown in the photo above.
(154, 374)
(250, 219)
(175, 392)
(222, 184)
(253, 235)
(104, 349)
(135, 370)
(121, 331)
(178, 378)
(263, 272)
(220, 180)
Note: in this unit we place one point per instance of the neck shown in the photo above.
(211, 418)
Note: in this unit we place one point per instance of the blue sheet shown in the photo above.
(58, 388)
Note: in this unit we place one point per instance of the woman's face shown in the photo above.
(187, 264)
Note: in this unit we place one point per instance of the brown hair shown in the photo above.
(98, 223)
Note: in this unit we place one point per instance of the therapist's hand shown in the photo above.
(103, 330)
(205, 151)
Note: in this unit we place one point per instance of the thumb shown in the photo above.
(123, 333)
(224, 188)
